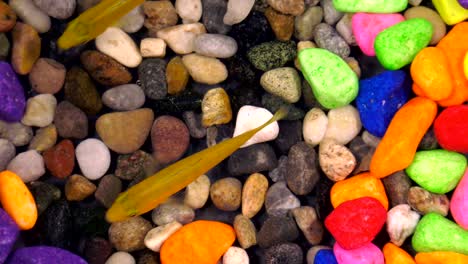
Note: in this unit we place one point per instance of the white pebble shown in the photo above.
(31, 14)
(235, 255)
(344, 124)
(215, 45)
(29, 165)
(120, 257)
(153, 47)
(250, 117)
(401, 223)
(93, 157)
(197, 192)
(156, 236)
(189, 10)
(133, 21)
(40, 110)
(237, 11)
(117, 44)
(314, 126)
(180, 38)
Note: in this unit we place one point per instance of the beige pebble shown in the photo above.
(117, 44)
(44, 139)
(120, 257)
(156, 236)
(237, 11)
(40, 110)
(180, 38)
(31, 14)
(189, 10)
(78, 188)
(344, 124)
(204, 69)
(197, 192)
(253, 194)
(245, 231)
(235, 255)
(153, 47)
(226, 194)
(216, 108)
(305, 44)
(336, 161)
(314, 126)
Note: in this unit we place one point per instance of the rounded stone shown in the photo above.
(7, 153)
(120, 257)
(108, 189)
(16, 133)
(314, 126)
(93, 158)
(245, 231)
(290, 7)
(189, 10)
(60, 159)
(26, 48)
(336, 161)
(302, 174)
(344, 124)
(281, 24)
(60, 9)
(170, 139)
(215, 45)
(153, 47)
(40, 110)
(133, 21)
(47, 76)
(125, 97)
(177, 76)
(276, 230)
(159, 15)
(204, 69)
(401, 223)
(235, 255)
(216, 108)
(44, 139)
(29, 165)
(78, 188)
(81, 91)
(326, 37)
(284, 253)
(197, 192)
(129, 235)
(279, 200)
(271, 55)
(104, 69)
(425, 202)
(253, 194)
(213, 16)
(172, 211)
(117, 44)
(226, 194)
(152, 74)
(70, 121)
(283, 82)
(304, 24)
(31, 14)
(248, 118)
(8, 17)
(308, 221)
(156, 236)
(180, 38)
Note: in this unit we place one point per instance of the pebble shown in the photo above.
(368, 253)
(93, 158)
(370, 6)
(137, 165)
(202, 242)
(152, 74)
(172, 211)
(438, 257)
(276, 230)
(314, 126)
(323, 69)
(215, 45)
(40, 110)
(436, 233)
(47, 76)
(255, 158)
(305, 24)
(70, 121)
(281, 24)
(78, 188)
(245, 231)
(463, 3)
(155, 238)
(180, 38)
(104, 69)
(7, 153)
(309, 223)
(213, 16)
(216, 108)
(279, 173)
(194, 123)
(356, 222)
(457, 204)
(237, 11)
(280, 200)
(379, 99)
(271, 55)
(56, 224)
(343, 125)
(44, 194)
(177, 76)
(125, 132)
(170, 139)
(326, 37)
(366, 27)
(97, 250)
(397, 186)
(60, 159)
(235, 255)
(248, 118)
(4, 46)
(11, 95)
(153, 47)
(129, 235)
(16, 133)
(451, 11)
(147, 257)
(438, 25)
(57, 9)
(408, 127)
(396, 255)
(425, 202)
(290, 134)
(108, 189)
(363, 154)
(26, 48)
(125, 97)
(42, 255)
(133, 21)
(21, 207)
(282, 82)
(331, 15)
(449, 127)
(344, 27)
(226, 194)
(284, 253)
(289, 7)
(10, 233)
(81, 91)
(197, 192)
(204, 69)
(336, 160)
(401, 223)
(391, 45)
(189, 10)
(28, 165)
(31, 14)
(159, 15)
(120, 257)
(117, 44)
(437, 171)
(8, 20)
(253, 194)
(324, 256)
(302, 174)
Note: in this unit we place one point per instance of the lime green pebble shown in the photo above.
(436, 233)
(371, 6)
(397, 45)
(437, 171)
(333, 82)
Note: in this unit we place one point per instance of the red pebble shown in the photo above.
(60, 159)
(451, 128)
(356, 222)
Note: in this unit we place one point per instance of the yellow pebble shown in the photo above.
(450, 11)
(465, 63)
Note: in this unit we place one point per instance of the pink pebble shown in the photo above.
(459, 202)
(367, 254)
(367, 26)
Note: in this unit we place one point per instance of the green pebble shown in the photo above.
(333, 82)
(273, 54)
(397, 45)
(371, 6)
(436, 233)
(437, 171)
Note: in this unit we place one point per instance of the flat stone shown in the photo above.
(153, 47)
(125, 97)
(280, 200)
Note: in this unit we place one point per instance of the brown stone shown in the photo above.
(81, 91)
(44, 139)
(26, 48)
(281, 24)
(159, 15)
(137, 165)
(70, 121)
(309, 223)
(170, 139)
(7, 17)
(108, 189)
(226, 194)
(245, 231)
(425, 202)
(177, 76)
(289, 7)
(78, 188)
(216, 108)
(129, 235)
(253, 194)
(47, 76)
(104, 69)
(60, 160)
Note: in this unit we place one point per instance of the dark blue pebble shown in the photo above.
(379, 99)
(8, 234)
(325, 256)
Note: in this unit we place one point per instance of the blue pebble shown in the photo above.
(325, 256)
(8, 234)
(379, 99)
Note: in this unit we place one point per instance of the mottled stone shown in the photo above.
(326, 37)
(137, 165)
(81, 91)
(309, 223)
(270, 55)
(129, 235)
(78, 188)
(425, 202)
(226, 194)
(26, 48)
(152, 74)
(397, 186)
(160, 14)
(47, 76)
(281, 24)
(172, 211)
(253, 194)
(302, 170)
(104, 69)
(277, 229)
(16, 133)
(290, 7)
(70, 121)
(336, 161)
(216, 108)
(279, 200)
(245, 231)
(170, 139)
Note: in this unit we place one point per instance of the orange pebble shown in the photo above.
(430, 71)
(361, 185)
(396, 255)
(398, 146)
(200, 242)
(17, 200)
(418, 91)
(441, 257)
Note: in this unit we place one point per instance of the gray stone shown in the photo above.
(71, 122)
(276, 230)
(213, 16)
(16, 133)
(7, 153)
(172, 211)
(108, 189)
(397, 186)
(326, 37)
(60, 9)
(284, 253)
(302, 170)
(255, 158)
(215, 45)
(363, 154)
(290, 133)
(279, 200)
(133, 21)
(152, 74)
(279, 173)
(331, 15)
(304, 24)
(344, 27)
(124, 97)
(194, 124)
(29, 165)
(44, 194)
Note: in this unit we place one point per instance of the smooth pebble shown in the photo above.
(235, 255)
(31, 14)
(189, 10)
(40, 110)
(117, 44)
(120, 257)
(314, 126)
(28, 165)
(156, 236)
(180, 38)
(401, 223)
(248, 118)
(215, 45)
(93, 158)
(124, 97)
(237, 11)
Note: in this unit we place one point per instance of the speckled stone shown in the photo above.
(152, 74)
(280, 200)
(104, 69)
(16, 133)
(159, 15)
(304, 24)
(283, 82)
(216, 108)
(336, 161)
(270, 55)
(226, 194)
(302, 174)
(81, 91)
(136, 165)
(253, 194)
(170, 139)
(281, 24)
(284, 253)
(245, 231)
(326, 37)
(172, 211)
(129, 235)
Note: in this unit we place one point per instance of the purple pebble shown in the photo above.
(463, 3)
(12, 100)
(8, 234)
(43, 255)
